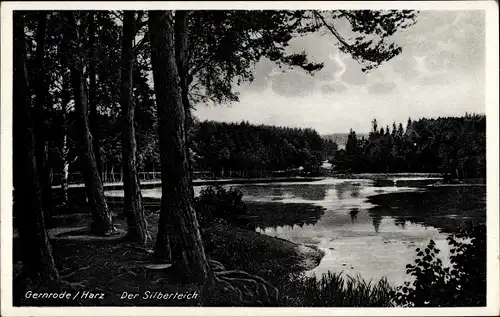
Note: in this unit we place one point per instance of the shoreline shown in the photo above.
(399, 177)
(204, 182)
(304, 257)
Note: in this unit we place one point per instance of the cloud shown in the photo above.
(353, 74)
(293, 84)
(263, 68)
(452, 37)
(439, 73)
(333, 88)
(382, 87)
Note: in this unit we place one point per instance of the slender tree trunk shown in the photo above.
(102, 222)
(65, 176)
(36, 251)
(137, 225)
(65, 99)
(93, 114)
(177, 217)
(41, 142)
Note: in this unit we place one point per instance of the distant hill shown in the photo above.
(341, 138)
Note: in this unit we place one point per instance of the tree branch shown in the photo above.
(138, 22)
(115, 14)
(334, 31)
(139, 44)
(141, 25)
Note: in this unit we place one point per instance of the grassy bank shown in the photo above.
(258, 254)
(336, 290)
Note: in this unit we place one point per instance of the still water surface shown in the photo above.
(364, 227)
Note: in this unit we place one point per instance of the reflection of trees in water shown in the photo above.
(345, 187)
(354, 214)
(276, 214)
(383, 182)
(305, 192)
(308, 192)
(449, 209)
(355, 191)
(400, 222)
(376, 220)
(276, 192)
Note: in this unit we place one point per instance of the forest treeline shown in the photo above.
(218, 149)
(255, 149)
(453, 146)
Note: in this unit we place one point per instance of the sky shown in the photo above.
(441, 72)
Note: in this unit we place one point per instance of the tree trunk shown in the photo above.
(93, 114)
(36, 251)
(41, 143)
(182, 60)
(181, 38)
(101, 216)
(177, 217)
(65, 100)
(65, 176)
(137, 225)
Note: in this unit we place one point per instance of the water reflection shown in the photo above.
(448, 208)
(276, 193)
(361, 231)
(374, 234)
(278, 214)
(355, 190)
(401, 222)
(376, 220)
(354, 214)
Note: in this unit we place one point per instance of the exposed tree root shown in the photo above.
(158, 266)
(83, 234)
(216, 266)
(244, 288)
(74, 272)
(141, 248)
(72, 286)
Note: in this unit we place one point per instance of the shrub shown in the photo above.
(215, 202)
(461, 284)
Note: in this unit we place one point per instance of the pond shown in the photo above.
(365, 227)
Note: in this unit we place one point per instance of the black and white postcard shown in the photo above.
(250, 158)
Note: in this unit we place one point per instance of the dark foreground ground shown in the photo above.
(114, 267)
